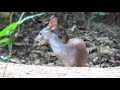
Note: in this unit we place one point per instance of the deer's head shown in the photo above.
(44, 34)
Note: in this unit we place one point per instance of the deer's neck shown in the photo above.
(56, 44)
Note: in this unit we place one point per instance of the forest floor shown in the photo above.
(102, 41)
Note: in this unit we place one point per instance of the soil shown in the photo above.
(34, 71)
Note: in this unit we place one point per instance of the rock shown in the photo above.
(35, 45)
(105, 40)
(29, 62)
(93, 56)
(107, 50)
(36, 62)
(88, 38)
(92, 49)
(34, 55)
(97, 66)
(38, 52)
(50, 64)
(105, 65)
(118, 44)
(73, 28)
(51, 53)
(117, 56)
(116, 40)
(44, 48)
(19, 44)
(89, 44)
(15, 60)
(26, 39)
(22, 53)
(23, 61)
(95, 59)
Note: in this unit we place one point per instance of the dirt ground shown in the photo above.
(34, 71)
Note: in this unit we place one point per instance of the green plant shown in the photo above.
(7, 34)
(4, 14)
(93, 16)
(87, 18)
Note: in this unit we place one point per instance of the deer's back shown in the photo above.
(81, 56)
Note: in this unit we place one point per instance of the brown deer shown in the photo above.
(73, 53)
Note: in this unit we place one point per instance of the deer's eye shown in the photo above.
(40, 33)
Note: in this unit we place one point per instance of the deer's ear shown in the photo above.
(53, 24)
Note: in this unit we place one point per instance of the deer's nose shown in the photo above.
(36, 40)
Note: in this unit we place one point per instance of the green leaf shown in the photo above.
(28, 17)
(100, 13)
(4, 40)
(8, 30)
(96, 13)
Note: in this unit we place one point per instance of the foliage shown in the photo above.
(9, 31)
(94, 15)
(4, 14)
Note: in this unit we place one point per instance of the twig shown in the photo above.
(11, 17)
(21, 16)
(83, 15)
(19, 20)
(99, 55)
(89, 20)
(10, 43)
(10, 52)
